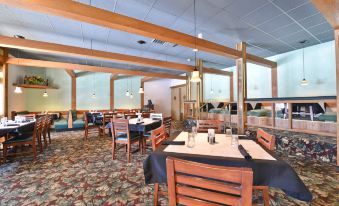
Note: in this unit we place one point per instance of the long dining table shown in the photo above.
(268, 169)
(15, 126)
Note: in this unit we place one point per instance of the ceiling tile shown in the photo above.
(132, 8)
(160, 18)
(313, 20)
(287, 5)
(286, 30)
(173, 7)
(326, 36)
(241, 8)
(320, 28)
(262, 15)
(281, 20)
(303, 11)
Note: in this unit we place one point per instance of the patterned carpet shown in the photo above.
(74, 172)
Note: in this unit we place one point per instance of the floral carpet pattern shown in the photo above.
(76, 172)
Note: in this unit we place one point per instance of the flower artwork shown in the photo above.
(35, 80)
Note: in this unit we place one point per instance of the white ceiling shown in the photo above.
(269, 27)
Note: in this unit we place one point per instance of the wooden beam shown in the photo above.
(70, 73)
(74, 92)
(5, 81)
(92, 15)
(242, 88)
(32, 45)
(336, 37)
(217, 71)
(146, 79)
(330, 10)
(81, 74)
(274, 81)
(69, 66)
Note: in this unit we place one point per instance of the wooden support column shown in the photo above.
(336, 37)
(231, 88)
(274, 82)
(142, 95)
(5, 80)
(111, 91)
(201, 83)
(290, 122)
(188, 87)
(242, 88)
(74, 88)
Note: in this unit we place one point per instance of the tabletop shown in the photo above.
(268, 170)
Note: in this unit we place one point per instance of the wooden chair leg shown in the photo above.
(129, 153)
(45, 140)
(40, 143)
(156, 194)
(49, 136)
(5, 152)
(113, 150)
(266, 196)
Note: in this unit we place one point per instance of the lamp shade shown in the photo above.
(195, 76)
(93, 95)
(127, 93)
(45, 94)
(18, 90)
(141, 90)
(303, 82)
(131, 95)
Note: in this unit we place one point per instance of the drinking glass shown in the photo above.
(191, 140)
(228, 133)
(194, 130)
(235, 141)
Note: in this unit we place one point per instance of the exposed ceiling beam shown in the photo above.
(217, 71)
(69, 66)
(146, 79)
(89, 14)
(32, 45)
(330, 10)
(83, 73)
(114, 76)
(70, 73)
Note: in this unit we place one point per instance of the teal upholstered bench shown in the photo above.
(78, 123)
(332, 117)
(61, 124)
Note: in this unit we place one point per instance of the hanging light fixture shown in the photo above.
(127, 91)
(141, 90)
(303, 82)
(131, 94)
(93, 94)
(211, 92)
(45, 94)
(18, 90)
(195, 74)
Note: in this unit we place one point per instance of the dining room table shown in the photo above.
(268, 168)
(13, 126)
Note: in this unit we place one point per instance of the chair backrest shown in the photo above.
(156, 116)
(192, 183)
(158, 136)
(266, 139)
(119, 126)
(107, 117)
(86, 118)
(167, 122)
(204, 125)
(38, 127)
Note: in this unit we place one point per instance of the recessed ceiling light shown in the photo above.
(200, 35)
(188, 59)
(19, 36)
(141, 42)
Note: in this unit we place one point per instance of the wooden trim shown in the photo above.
(217, 71)
(70, 73)
(146, 79)
(177, 86)
(336, 37)
(69, 66)
(74, 93)
(5, 82)
(242, 88)
(274, 81)
(231, 88)
(92, 15)
(33, 86)
(290, 116)
(33, 45)
(83, 73)
(330, 10)
(293, 101)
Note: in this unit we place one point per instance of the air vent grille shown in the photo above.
(164, 43)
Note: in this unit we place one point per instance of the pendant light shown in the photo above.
(127, 91)
(18, 90)
(303, 82)
(195, 74)
(45, 94)
(131, 94)
(211, 92)
(141, 90)
(93, 94)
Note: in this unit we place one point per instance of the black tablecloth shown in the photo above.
(21, 129)
(144, 127)
(277, 174)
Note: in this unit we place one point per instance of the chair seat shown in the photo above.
(19, 138)
(133, 136)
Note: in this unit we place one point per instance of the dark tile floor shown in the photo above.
(73, 172)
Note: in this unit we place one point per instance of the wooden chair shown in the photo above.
(167, 121)
(204, 125)
(157, 137)
(106, 119)
(46, 133)
(191, 183)
(25, 139)
(122, 135)
(90, 127)
(268, 141)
